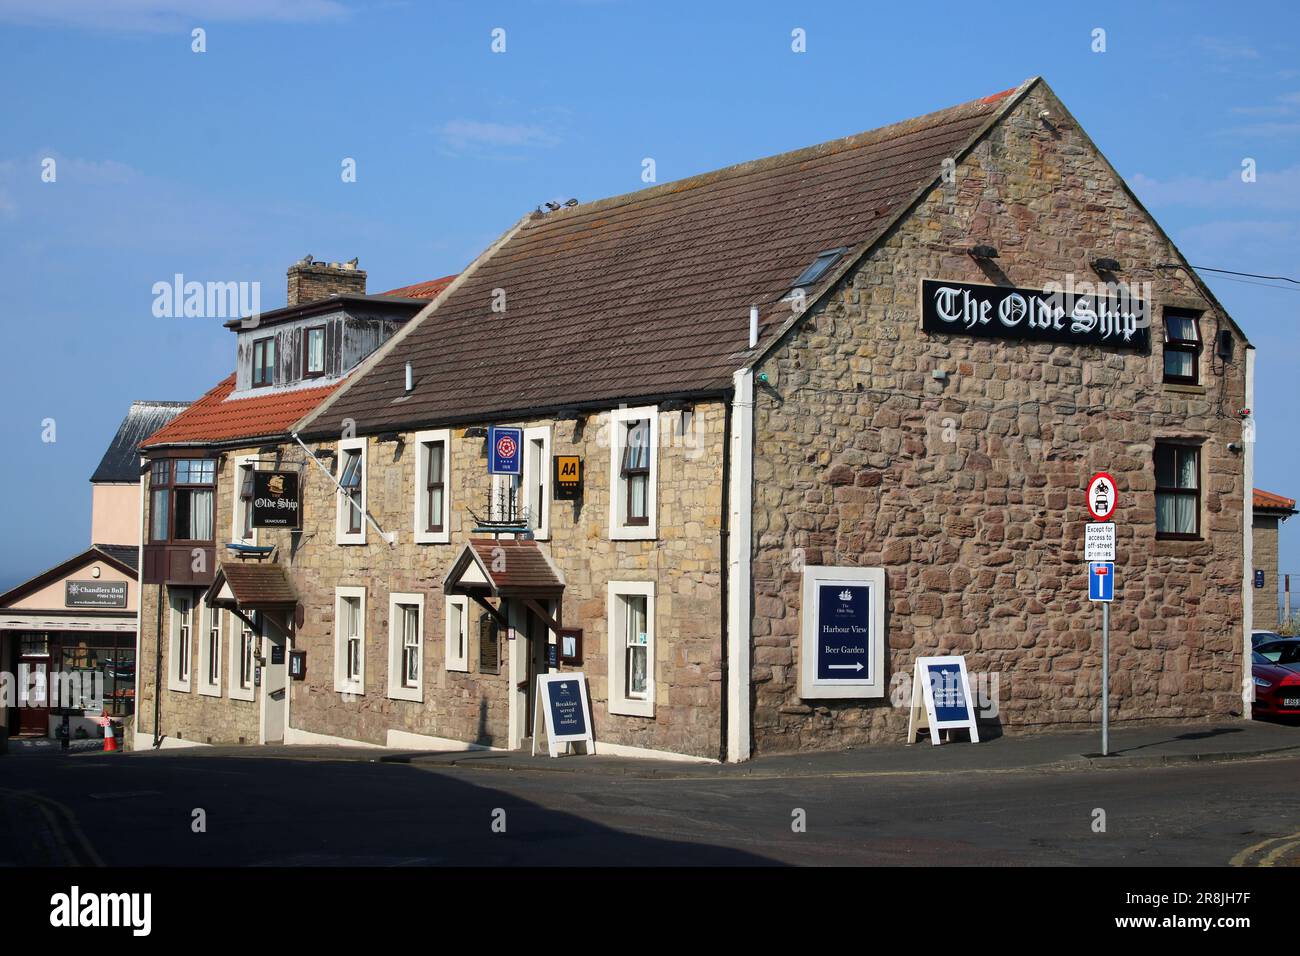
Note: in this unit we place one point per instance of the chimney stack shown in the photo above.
(310, 280)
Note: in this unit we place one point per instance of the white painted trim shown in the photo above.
(452, 661)
(739, 556)
(618, 530)
(139, 605)
(542, 523)
(341, 683)
(236, 503)
(205, 688)
(618, 702)
(811, 687)
(396, 691)
(405, 740)
(179, 743)
(340, 535)
(420, 524)
(623, 750)
(1248, 545)
(173, 637)
(309, 738)
(236, 632)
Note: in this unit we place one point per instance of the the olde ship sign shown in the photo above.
(1114, 318)
(275, 499)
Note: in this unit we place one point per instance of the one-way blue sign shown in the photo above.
(1101, 581)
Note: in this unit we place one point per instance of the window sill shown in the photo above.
(457, 668)
(178, 687)
(632, 708)
(413, 694)
(433, 537)
(242, 694)
(356, 690)
(631, 532)
(350, 539)
(209, 691)
(1184, 389)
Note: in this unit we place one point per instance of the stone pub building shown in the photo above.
(865, 381)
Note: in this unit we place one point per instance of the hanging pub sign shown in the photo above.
(94, 594)
(505, 451)
(1114, 318)
(275, 499)
(568, 477)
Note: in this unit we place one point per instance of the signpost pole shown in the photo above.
(1105, 679)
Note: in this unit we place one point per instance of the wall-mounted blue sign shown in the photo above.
(843, 631)
(505, 451)
(1101, 581)
(1259, 579)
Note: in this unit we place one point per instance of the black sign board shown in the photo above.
(489, 645)
(568, 477)
(552, 656)
(1259, 579)
(275, 499)
(297, 665)
(1089, 315)
(567, 711)
(277, 653)
(94, 594)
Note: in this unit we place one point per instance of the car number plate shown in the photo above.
(1291, 702)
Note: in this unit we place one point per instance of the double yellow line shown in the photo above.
(1267, 852)
(69, 840)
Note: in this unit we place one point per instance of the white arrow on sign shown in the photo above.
(845, 667)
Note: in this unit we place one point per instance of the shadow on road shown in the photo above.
(284, 812)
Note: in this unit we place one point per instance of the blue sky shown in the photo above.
(225, 165)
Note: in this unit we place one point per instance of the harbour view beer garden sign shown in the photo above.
(1066, 315)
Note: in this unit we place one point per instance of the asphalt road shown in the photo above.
(140, 810)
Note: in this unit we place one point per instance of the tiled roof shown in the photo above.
(648, 294)
(254, 584)
(217, 418)
(421, 290)
(1268, 500)
(121, 463)
(514, 567)
(128, 554)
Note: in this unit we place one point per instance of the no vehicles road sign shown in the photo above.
(1102, 496)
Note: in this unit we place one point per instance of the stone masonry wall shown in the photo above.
(1265, 551)
(684, 564)
(970, 492)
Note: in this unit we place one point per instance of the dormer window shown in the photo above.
(313, 348)
(820, 266)
(264, 362)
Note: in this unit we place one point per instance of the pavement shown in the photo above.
(1143, 746)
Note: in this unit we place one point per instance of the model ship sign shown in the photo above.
(1076, 315)
(275, 499)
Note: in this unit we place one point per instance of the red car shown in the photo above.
(1276, 669)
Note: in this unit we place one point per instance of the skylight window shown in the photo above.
(820, 266)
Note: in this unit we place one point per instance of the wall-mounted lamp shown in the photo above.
(1105, 265)
(1223, 345)
(393, 437)
(476, 431)
(984, 252)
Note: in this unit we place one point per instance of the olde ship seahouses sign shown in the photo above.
(1115, 319)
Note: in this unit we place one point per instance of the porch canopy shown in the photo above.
(507, 568)
(243, 588)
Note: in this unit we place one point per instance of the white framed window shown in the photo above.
(406, 646)
(180, 640)
(243, 643)
(210, 656)
(537, 479)
(433, 487)
(631, 636)
(633, 473)
(350, 520)
(350, 640)
(241, 513)
(457, 633)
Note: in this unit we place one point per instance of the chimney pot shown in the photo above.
(310, 280)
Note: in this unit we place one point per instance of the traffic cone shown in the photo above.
(110, 742)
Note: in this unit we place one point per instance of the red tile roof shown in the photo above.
(216, 417)
(1266, 499)
(254, 585)
(514, 568)
(648, 294)
(421, 290)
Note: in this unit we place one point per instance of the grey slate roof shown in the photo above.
(128, 554)
(121, 463)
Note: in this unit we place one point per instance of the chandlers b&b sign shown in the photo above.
(1114, 317)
